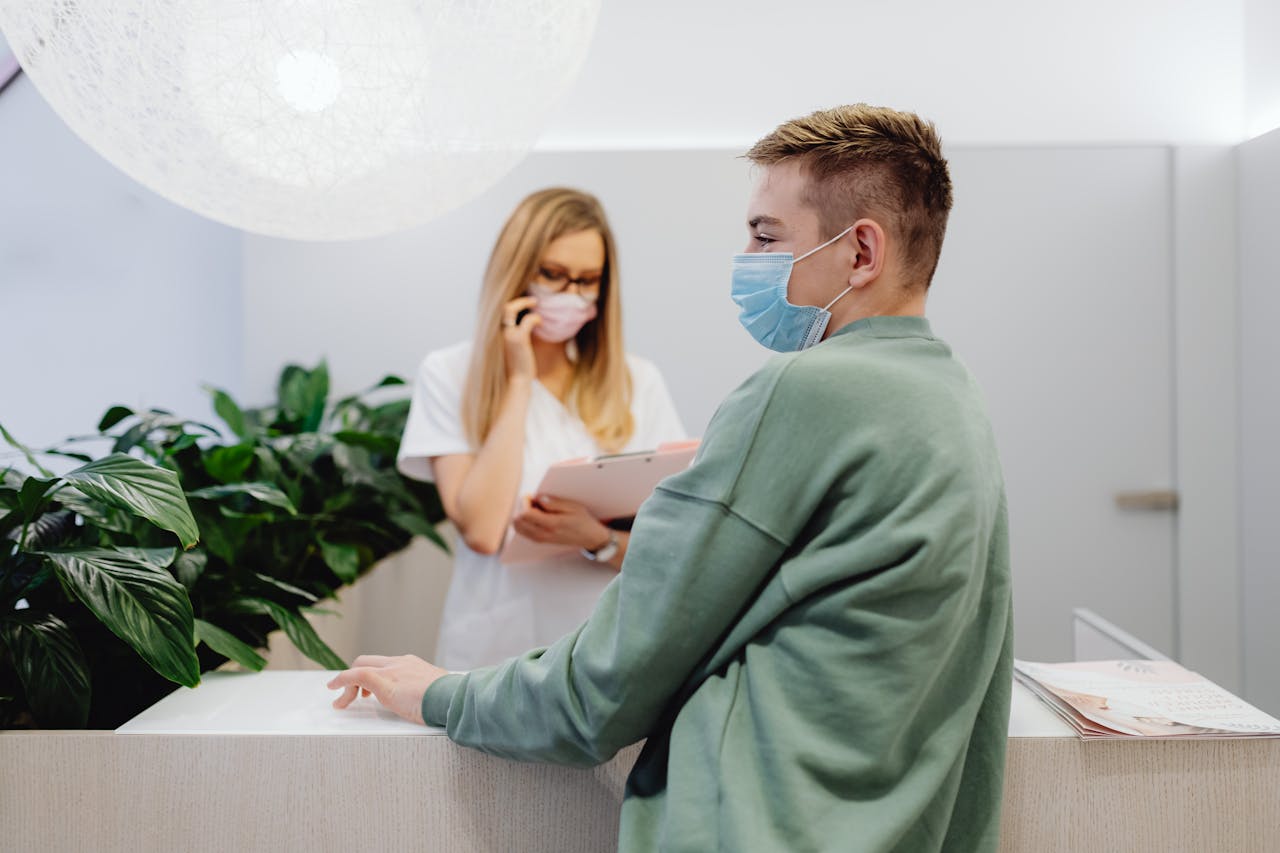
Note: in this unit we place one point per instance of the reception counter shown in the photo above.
(261, 762)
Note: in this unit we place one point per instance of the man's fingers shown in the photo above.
(354, 681)
(371, 660)
(347, 696)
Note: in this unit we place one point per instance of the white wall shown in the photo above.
(1259, 217)
(108, 293)
(672, 73)
(1262, 66)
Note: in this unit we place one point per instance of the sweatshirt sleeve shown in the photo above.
(693, 566)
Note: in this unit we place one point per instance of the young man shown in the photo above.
(812, 625)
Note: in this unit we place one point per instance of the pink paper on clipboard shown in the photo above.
(608, 486)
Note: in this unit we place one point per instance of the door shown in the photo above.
(1055, 287)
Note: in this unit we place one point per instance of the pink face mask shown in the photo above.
(563, 315)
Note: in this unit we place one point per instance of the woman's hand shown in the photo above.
(559, 521)
(516, 336)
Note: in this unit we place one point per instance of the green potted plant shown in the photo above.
(298, 499)
(62, 584)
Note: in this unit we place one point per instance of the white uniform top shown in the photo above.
(493, 611)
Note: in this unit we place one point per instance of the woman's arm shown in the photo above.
(478, 490)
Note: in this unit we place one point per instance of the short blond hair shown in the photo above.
(865, 161)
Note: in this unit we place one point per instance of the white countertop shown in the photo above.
(276, 702)
(298, 703)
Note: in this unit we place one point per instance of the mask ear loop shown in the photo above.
(823, 246)
(844, 292)
(838, 298)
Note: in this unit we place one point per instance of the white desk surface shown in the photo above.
(267, 703)
(298, 703)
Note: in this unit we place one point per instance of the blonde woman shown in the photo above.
(544, 379)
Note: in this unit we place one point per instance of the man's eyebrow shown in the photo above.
(757, 221)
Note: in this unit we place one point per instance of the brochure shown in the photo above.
(1142, 698)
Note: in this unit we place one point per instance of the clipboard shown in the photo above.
(609, 487)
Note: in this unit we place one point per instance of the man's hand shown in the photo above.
(397, 682)
(562, 522)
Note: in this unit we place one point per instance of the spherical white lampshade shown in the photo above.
(309, 119)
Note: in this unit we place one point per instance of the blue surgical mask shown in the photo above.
(760, 289)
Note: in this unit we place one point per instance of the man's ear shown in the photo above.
(872, 252)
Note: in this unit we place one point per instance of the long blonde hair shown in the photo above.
(600, 392)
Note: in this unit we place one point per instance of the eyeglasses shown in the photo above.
(558, 281)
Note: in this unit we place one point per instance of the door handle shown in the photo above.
(1152, 500)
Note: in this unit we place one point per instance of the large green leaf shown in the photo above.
(224, 536)
(52, 668)
(344, 560)
(140, 603)
(114, 415)
(297, 629)
(103, 517)
(68, 454)
(189, 566)
(229, 646)
(146, 490)
(264, 492)
(304, 393)
(230, 413)
(270, 470)
(155, 558)
(32, 496)
(29, 502)
(182, 443)
(228, 464)
(387, 445)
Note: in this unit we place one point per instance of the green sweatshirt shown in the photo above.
(812, 625)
